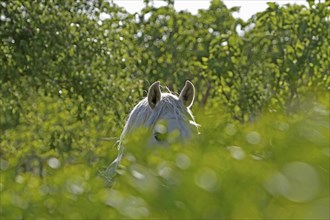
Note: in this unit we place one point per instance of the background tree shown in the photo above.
(71, 71)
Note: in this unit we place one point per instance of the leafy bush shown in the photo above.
(276, 167)
(69, 79)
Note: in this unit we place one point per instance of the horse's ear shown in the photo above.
(154, 94)
(187, 94)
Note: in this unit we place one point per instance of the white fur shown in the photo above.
(169, 109)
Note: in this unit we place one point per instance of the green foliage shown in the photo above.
(69, 78)
(275, 168)
(281, 57)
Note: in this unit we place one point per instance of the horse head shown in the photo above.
(168, 116)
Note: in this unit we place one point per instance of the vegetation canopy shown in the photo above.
(71, 72)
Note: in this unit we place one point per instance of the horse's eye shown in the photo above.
(160, 136)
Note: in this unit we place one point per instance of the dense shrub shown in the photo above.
(70, 72)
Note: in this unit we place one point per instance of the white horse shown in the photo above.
(167, 115)
(164, 113)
